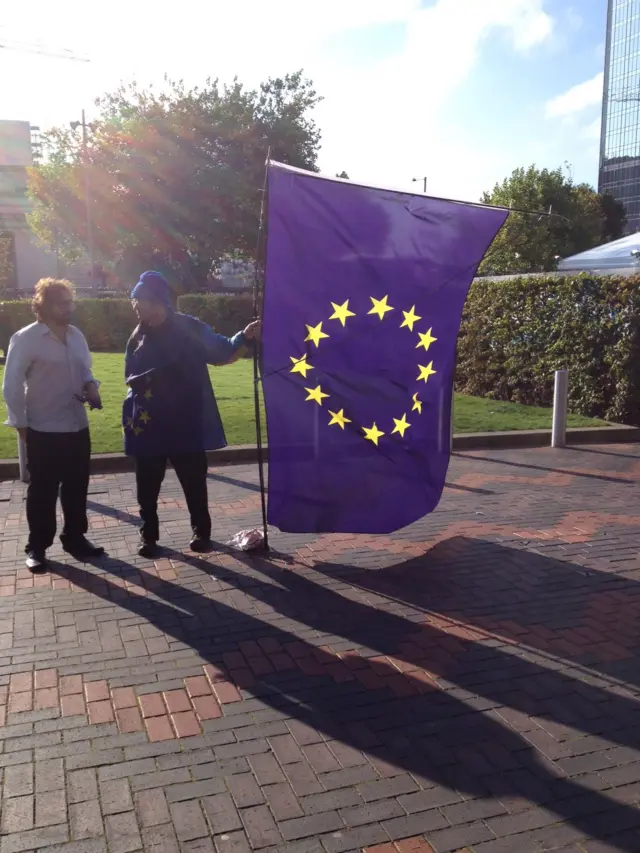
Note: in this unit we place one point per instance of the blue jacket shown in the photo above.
(171, 407)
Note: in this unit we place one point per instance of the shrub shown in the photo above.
(108, 323)
(516, 333)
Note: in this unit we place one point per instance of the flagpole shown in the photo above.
(260, 256)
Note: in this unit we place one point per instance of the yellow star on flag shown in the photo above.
(426, 339)
(426, 372)
(372, 434)
(129, 422)
(137, 430)
(147, 394)
(417, 404)
(315, 394)
(300, 365)
(144, 417)
(315, 334)
(380, 306)
(338, 418)
(401, 425)
(410, 318)
(341, 312)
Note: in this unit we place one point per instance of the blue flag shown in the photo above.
(363, 300)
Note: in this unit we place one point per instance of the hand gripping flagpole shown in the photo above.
(258, 299)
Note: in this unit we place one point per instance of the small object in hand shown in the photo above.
(89, 402)
(247, 540)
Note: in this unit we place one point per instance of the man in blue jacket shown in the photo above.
(170, 413)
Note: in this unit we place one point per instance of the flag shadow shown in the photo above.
(588, 617)
(449, 739)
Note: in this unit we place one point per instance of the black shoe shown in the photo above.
(148, 549)
(82, 549)
(201, 544)
(36, 561)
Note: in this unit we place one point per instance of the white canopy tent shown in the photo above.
(618, 256)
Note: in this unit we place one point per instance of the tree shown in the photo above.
(176, 177)
(527, 243)
(342, 175)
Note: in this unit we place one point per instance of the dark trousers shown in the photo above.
(58, 463)
(191, 470)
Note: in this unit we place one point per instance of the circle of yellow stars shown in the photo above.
(341, 313)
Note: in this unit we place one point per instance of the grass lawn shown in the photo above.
(234, 391)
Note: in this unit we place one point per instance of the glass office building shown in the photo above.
(620, 139)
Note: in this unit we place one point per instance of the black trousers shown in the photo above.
(191, 470)
(58, 463)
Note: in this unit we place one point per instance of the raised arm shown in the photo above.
(18, 362)
(220, 349)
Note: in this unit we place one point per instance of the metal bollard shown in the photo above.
(560, 400)
(22, 461)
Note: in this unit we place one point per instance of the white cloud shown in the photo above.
(384, 118)
(576, 99)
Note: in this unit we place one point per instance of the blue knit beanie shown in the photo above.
(153, 287)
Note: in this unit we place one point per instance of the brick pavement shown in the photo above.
(468, 684)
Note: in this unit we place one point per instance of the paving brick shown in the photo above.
(100, 712)
(159, 728)
(160, 839)
(221, 813)
(82, 786)
(122, 833)
(206, 707)
(260, 827)
(286, 749)
(115, 796)
(72, 705)
(49, 775)
(96, 691)
(18, 780)
(188, 821)
(17, 814)
(51, 808)
(330, 800)
(86, 820)
(378, 811)
(266, 769)
(402, 827)
(393, 787)
(232, 842)
(282, 801)
(152, 807)
(35, 839)
(245, 790)
(305, 827)
(129, 720)
(185, 724)
(152, 705)
(352, 839)
(197, 686)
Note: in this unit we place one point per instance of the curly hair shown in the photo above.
(47, 289)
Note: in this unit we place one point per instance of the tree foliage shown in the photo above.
(176, 176)
(581, 219)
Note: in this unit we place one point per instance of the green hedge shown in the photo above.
(107, 323)
(516, 333)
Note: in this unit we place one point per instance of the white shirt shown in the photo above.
(42, 376)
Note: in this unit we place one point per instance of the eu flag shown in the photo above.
(363, 300)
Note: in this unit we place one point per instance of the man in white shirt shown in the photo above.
(47, 381)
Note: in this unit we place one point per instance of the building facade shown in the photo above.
(620, 138)
(23, 261)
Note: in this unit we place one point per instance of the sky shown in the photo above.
(459, 91)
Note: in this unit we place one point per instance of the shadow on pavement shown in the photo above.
(449, 736)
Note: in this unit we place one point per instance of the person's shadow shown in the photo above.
(453, 741)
